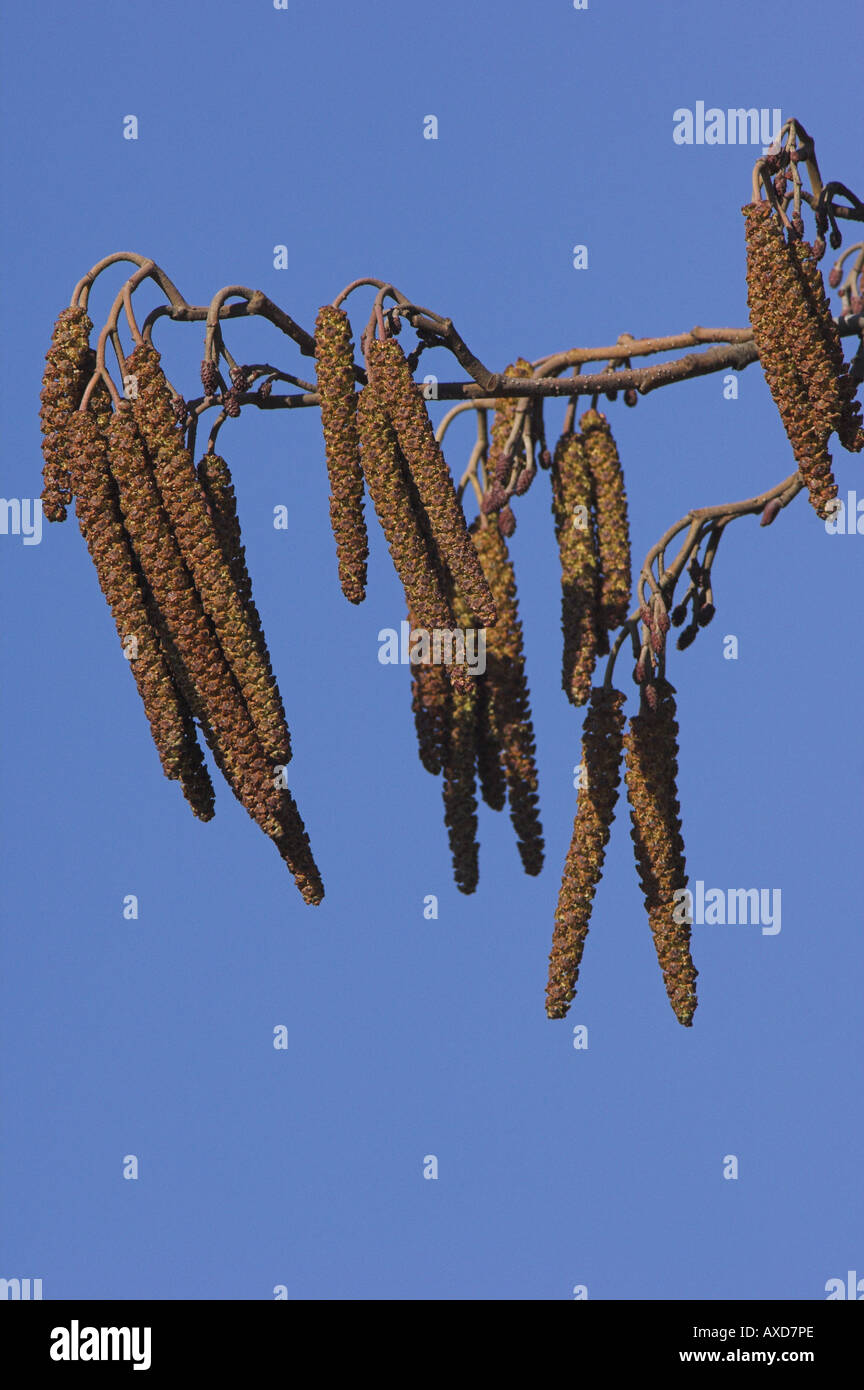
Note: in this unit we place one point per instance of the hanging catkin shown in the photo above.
(334, 361)
(69, 364)
(490, 768)
(507, 686)
(651, 761)
(792, 350)
(573, 510)
(196, 650)
(185, 505)
(430, 702)
(214, 476)
(598, 795)
(407, 412)
(843, 407)
(460, 801)
(503, 418)
(385, 471)
(101, 525)
(610, 519)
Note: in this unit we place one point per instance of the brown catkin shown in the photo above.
(185, 504)
(844, 406)
(611, 524)
(197, 656)
(651, 761)
(601, 761)
(490, 768)
(573, 510)
(430, 702)
(385, 471)
(101, 524)
(460, 801)
(214, 476)
(792, 350)
(334, 362)
(507, 686)
(504, 416)
(409, 417)
(69, 364)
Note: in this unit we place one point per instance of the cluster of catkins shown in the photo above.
(473, 725)
(650, 749)
(799, 349)
(165, 541)
(589, 505)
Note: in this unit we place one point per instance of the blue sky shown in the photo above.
(304, 1167)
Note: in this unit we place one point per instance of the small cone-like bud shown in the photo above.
(651, 761)
(612, 529)
(409, 417)
(210, 378)
(601, 758)
(334, 364)
(69, 364)
(573, 507)
(507, 689)
(119, 575)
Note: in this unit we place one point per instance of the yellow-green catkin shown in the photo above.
(334, 361)
(598, 796)
(651, 762)
(573, 510)
(69, 364)
(610, 519)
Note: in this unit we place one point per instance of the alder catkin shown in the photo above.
(458, 788)
(185, 504)
(791, 347)
(430, 702)
(507, 687)
(502, 422)
(611, 524)
(841, 405)
(651, 762)
(334, 363)
(490, 767)
(573, 510)
(101, 524)
(69, 364)
(384, 469)
(198, 656)
(406, 410)
(601, 761)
